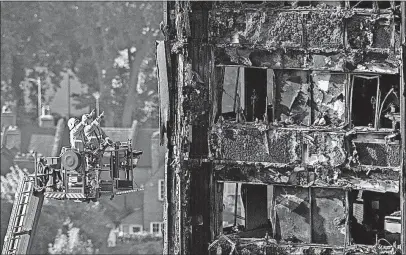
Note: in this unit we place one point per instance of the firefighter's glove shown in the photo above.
(101, 116)
(109, 141)
(85, 117)
(92, 113)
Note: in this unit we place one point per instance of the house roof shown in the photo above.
(8, 153)
(118, 134)
(37, 139)
(134, 218)
(159, 174)
(41, 143)
(10, 137)
(141, 175)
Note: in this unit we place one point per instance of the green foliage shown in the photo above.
(139, 247)
(69, 240)
(10, 182)
(30, 47)
(91, 218)
(42, 39)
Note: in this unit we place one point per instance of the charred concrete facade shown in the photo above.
(302, 104)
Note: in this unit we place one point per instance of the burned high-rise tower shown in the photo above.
(285, 127)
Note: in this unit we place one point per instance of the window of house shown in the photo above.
(248, 91)
(156, 228)
(136, 229)
(161, 190)
(375, 101)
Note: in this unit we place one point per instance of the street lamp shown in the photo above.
(38, 81)
(69, 95)
(96, 95)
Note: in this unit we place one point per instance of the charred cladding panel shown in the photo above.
(250, 142)
(378, 154)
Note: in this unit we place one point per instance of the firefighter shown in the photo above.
(96, 137)
(76, 129)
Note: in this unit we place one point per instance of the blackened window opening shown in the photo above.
(384, 4)
(255, 95)
(252, 2)
(362, 4)
(245, 208)
(374, 215)
(363, 101)
(304, 3)
(389, 101)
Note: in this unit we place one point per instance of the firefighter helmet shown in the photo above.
(71, 123)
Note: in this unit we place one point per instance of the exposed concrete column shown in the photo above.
(155, 152)
(403, 128)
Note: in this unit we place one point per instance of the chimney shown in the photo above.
(8, 117)
(156, 154)
(11, 137)
(46, 119)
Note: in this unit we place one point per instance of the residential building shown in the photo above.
(147, 206)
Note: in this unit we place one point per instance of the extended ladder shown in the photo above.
(23, 219)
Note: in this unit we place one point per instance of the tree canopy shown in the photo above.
(109, 46)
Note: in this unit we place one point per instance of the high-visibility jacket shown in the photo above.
(77, 133)
(94, 134)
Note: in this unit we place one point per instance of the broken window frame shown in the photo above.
(348, 203)
(271, 211)
(241, 90)
(377, 98)
(271, 90)
(238, 90)
(237, 196)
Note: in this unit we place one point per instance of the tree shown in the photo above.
(10, 183)
(108, 29)
(45, 38)
(30, 46)
(69, 240)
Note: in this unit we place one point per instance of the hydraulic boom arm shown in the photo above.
(24, 218)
